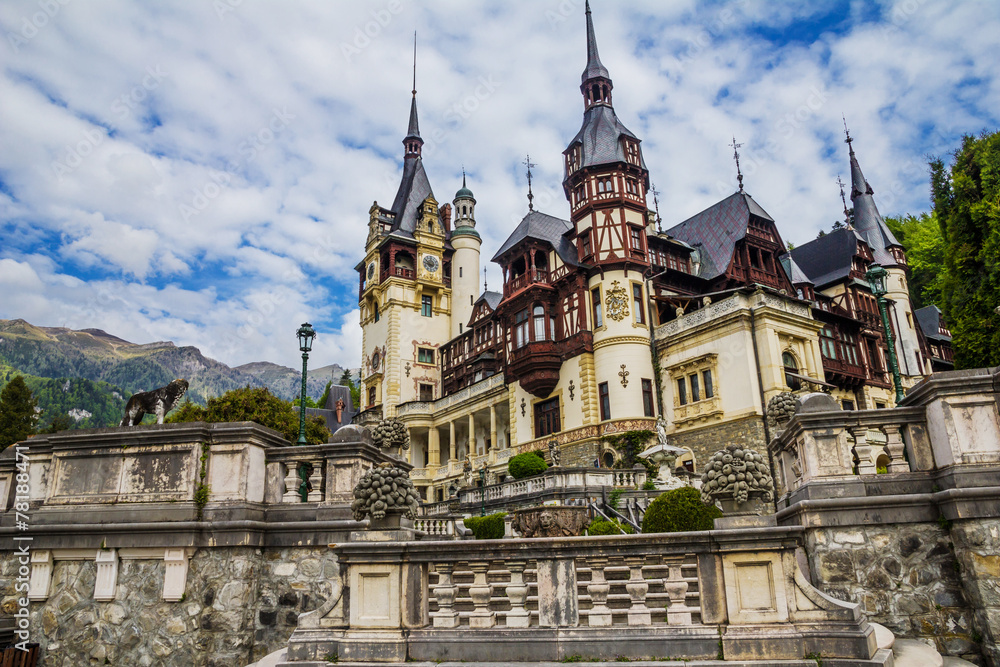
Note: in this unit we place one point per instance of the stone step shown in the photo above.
(957, 662)
(271, 659)
(913, 653)
(883, 636)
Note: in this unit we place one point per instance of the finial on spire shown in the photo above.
(847, 132)
(463, 175)
(414, 63)
(486, 287)
(412, 141)
(736, 155)
(656, 204)
(529, 164)
(843, 198)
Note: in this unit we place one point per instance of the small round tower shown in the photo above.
(465, 262)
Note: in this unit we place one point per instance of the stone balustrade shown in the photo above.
(429, 407)
(437, 527)
(684, 595)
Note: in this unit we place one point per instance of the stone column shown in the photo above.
(894, 447)
(637, 587)
(445, 591)
(452, 445)
(598, 588)
(493, 428)
(433, 446)
(106, 581)
(316, 482)
(517, 593)
(480, 592)
(291, 493)
(472, 435)
(676, 589)
(864, 451)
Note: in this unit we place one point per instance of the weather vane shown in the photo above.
(847, 132)
(529, 164)
(847, 215)
(485, 286)
(736, 154)
(414, 63)
(656, 204)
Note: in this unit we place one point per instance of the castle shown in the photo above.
(606, 322)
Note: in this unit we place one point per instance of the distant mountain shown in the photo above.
(58, 353)
(89, 404)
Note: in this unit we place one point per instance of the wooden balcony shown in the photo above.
(518, 283)
(536, 366)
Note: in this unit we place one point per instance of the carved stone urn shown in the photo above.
(551, 521)
(737, 477)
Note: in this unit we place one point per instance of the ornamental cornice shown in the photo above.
(621, 340)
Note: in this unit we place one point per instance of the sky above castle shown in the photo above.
(202, 171)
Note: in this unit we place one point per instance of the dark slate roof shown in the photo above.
(595, 69)
(827, 259)
(414, 188)
(329, 411)
(542, 227)
(929, 319)
(492, 299)
(715, 231)
(413, 128)
(867, 220)
(601, 135)
(795, 274)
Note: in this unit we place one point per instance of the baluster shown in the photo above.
(676, 588)
(480, 592)
(445, 591)
(517, 593)
(864, 451)
(598, 588)
(316, 482)
(291, 494)
(637, 587)
(894, 447)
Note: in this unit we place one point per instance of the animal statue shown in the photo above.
(159, 402)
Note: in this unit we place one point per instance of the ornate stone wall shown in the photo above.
(977, 544)
(906, 577)
(239, 604)
(706, 441)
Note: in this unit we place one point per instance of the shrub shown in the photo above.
(486, 527)
(605, 527)
(615, 497)
(526, 465)
(679, 510)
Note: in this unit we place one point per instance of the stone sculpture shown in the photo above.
(340, 410)
(385, 489)
(781, 408)
(550, 521)
(554, 453)
(738, 477)
(390, 433)
(158, 402)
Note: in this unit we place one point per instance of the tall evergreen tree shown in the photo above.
(17, 413)
(967, 206)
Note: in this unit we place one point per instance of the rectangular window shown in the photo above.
(879, 405)
(425, 355)
(647, 398)
(637, 308)
(602, 390)
(847, 405)
(521, 329)
(585, 244)
(460, 272)
(595, 295)
(682, 394)
(826, 343)
(706, 377)
(695, 391)
(636, 238)
(547, 417)
(426, 392)
(426, 305)
(371, 396)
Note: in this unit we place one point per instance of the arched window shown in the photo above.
(538, 314)
(791, 366)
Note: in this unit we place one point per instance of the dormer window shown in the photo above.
(604, 184)
(580, 193)
(631, 151)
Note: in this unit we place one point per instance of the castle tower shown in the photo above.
(606, 183)
(889, 253)
(465, 260)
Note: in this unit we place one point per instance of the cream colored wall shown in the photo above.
(908, 343)
(464, 280)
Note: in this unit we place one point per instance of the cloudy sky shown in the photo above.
(201, 171)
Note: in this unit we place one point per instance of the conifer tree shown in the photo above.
(18, 416)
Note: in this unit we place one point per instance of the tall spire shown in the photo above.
(596, 81)
(412, 141)
(867, 220)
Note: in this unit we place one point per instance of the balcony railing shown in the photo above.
(518, 283)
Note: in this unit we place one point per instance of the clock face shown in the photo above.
(376, 359)
(430, 263)
(371, 270)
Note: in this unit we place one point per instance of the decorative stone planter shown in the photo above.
(391, 521)
(551, 521)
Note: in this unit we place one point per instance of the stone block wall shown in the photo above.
(977, 543)
(708, 440)
(240, 603)
(906, 577)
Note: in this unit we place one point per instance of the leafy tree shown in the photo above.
(925, 249)
(17, 412)
(309, 403)
(59, 423)
(967, 206)
(255, 404)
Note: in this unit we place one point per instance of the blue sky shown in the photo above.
(201, 172)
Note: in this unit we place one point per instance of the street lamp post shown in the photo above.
(482, 490)
(306, 336)
(876, 277)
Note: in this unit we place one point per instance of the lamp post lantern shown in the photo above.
(876, 276)
(306, 336)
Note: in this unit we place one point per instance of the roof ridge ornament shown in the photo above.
(656, 205)
(736, 155)
(529, 164)
(847, 132)
(847, 215)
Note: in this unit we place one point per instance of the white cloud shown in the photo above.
(231, 157)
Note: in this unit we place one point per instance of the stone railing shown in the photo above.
(441, 527)
(430, 407)
(731, 304)
(576, 482)
(738, 593)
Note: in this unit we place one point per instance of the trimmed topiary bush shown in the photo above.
(486, 527)
(605, 527)
(526, 465)
(679, 510)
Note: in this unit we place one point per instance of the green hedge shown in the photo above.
(486, 527)
(679, 510)
(527, 464)
(605, 527)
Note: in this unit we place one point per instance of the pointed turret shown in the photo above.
(596, 81)
(412, 140)
(868, 221)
